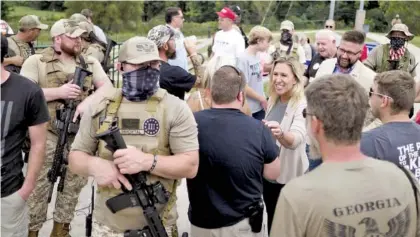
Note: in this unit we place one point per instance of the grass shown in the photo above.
(416, 41)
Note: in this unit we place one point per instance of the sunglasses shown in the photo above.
(328, 27)
(378, 94)
(305, 114)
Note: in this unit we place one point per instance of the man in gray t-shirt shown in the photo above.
(250, 64)
(398, 140)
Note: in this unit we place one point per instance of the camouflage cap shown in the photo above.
(160, 35)
(138, 50)
(287, 25)
(31, 22)
(402, 28)
(88, 27)
(78, 17)
(68, 27)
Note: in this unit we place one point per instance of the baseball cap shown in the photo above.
(236, 9)
(138, 50)
(287, 25)
(78, 17)
(227, 13)
(86, 26)
(68, 27)
(31, 22)
(160, 35)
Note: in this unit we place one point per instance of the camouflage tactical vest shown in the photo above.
(96, 47)
(143, 125)
(404, 61)
(25, 49)
(279, 53)
(56, 77)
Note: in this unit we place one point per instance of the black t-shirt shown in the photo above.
(176, 80)
(233, 150)
(314, 66)
(22, 105)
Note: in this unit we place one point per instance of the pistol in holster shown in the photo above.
(255, 215)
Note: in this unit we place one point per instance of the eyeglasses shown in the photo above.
(304, 113)
(371, 92)
(349, 53)
(327, 26)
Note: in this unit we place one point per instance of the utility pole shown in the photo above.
(360, 17)
(332, 8)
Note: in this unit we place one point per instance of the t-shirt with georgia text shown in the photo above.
(398, 142)
(22, 105)
(360, 198)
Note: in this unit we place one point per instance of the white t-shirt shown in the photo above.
(228, 43)
(99, 33)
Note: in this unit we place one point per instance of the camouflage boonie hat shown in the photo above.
(68, 27)
(78, 17)
(160, 35)
(402, 28)
(138, 50)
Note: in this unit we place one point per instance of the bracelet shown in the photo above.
(154, 163)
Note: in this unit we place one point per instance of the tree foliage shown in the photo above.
(5, 9)
(409, 13)
(110, 15)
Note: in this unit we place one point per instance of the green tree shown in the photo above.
(111, 16)
(5, 9)
(409, 13)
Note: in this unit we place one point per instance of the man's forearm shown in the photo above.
(35, 161)
(51, 94)
(184, 165)
(198, 70)
(251, 93)
(80, 168)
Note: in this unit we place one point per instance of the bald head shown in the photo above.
(330, 24)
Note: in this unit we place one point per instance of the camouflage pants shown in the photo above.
(101, 230)
(66, 201)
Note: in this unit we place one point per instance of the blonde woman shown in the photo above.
(200, 99)
(284, 117)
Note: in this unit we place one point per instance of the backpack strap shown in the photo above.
(111, 110)
(413, 186)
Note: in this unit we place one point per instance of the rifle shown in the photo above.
(65, 126)
(109, 45)
(142, 194)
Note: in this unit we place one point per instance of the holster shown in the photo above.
(255, 214)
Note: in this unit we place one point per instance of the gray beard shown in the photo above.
(314, 150)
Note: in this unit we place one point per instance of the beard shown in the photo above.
(171, 55)
(345, 63)
(72, 51)
(314, 149)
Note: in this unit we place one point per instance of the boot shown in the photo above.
(33, 234)
(60, 230)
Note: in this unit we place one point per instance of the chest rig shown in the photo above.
(25, 49)
(143, 125)
(56, 77)
(279, 53)
(402, 64)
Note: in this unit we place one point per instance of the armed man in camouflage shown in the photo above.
(20, 45)
(159, 130)
(394, 55)
(53, 69)
(91, 45)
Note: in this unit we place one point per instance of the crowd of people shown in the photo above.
(278, 138)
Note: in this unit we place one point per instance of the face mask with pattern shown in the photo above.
(141, 84)
(397, 43)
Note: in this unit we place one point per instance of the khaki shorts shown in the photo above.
(14, 216)
(240, 229)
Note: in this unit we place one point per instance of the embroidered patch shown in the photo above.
(151, 126)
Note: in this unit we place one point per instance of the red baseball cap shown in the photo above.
(227, 13)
